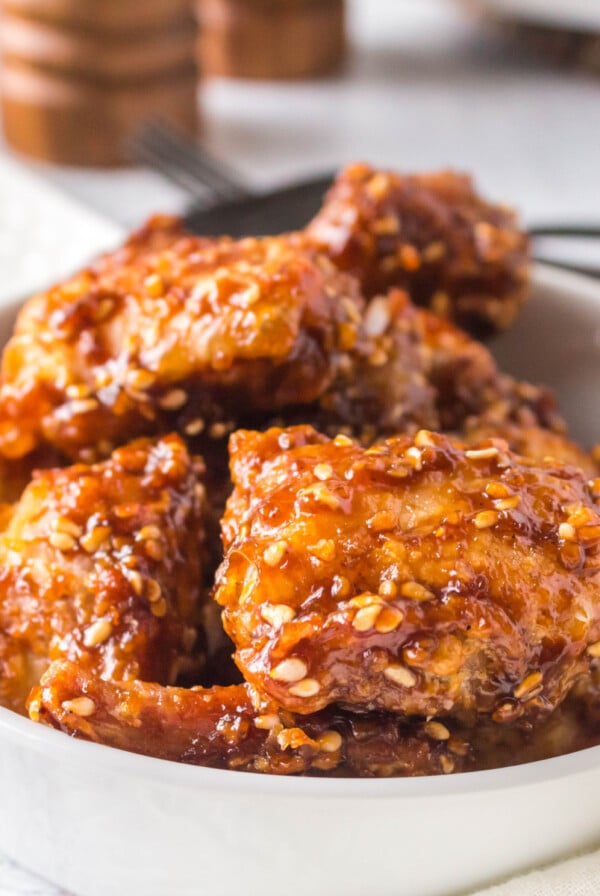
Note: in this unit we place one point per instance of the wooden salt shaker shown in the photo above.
(80, 77)
(271, 39)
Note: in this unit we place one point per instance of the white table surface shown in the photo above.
(424, 88)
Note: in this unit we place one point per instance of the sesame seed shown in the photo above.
(497, 490)
(340, 586)
(388, 589)
(414, 456)
(149, 532)
(83, 406)
(136, 581)
(158, 608)
(91, 541)
(388, 620)
(368, 599)
(485, 518)
(154, 285)
(154, 549)
(567, 532)
(400, 675)
(416, 591)
(77, 390)
(321, 495)
(277, 614)
(308, 687)
(434, 251)
(274, 554)
(381, 521)
(218, 430)
(447, 764)
(97, 633)
(351, 309)
(365, 618)
(267, 722)
(63, 524)
(173, 400)
(343, 441)
(323, 550)
(377, 319)
(386, 226)
(194, 427)
(529, 684)
(378, 186)
(437, 731)
(323, 471)
(508, 503)
(481, 453)
(80, 706)
(62, 541)
(153, 591)
(290, 670)
(594, 650)
(423, 439)
(330, 742)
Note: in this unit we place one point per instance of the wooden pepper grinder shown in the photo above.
(270, 39)
(80, 77)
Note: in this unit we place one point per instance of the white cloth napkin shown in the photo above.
(579, 876)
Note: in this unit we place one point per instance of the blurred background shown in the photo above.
(281, 89)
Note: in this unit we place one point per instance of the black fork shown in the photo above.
(223, 203)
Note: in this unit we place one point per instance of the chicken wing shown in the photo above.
(103, 564)
(417, 576)
(430, 234)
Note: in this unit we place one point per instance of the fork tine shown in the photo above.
(155, 158)
(188, 162)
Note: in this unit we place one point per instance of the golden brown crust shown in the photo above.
(173, 332)
(230, 727)
(416, 577)
(102, 564)
(430, 234)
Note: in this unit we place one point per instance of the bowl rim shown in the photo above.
(58, 747)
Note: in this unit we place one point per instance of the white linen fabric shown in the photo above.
(579, 876)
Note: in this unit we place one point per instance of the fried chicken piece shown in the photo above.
(417, 577)
(533, 442)
(231, 727)
(186, 337)
(432, 235)
(102, 565)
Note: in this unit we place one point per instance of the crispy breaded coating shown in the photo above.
(533, 442)
(233, 728)
(418, 576)
(186, 337)
(102, 564)
(431, 234)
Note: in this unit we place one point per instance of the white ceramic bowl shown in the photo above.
(102, 822)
